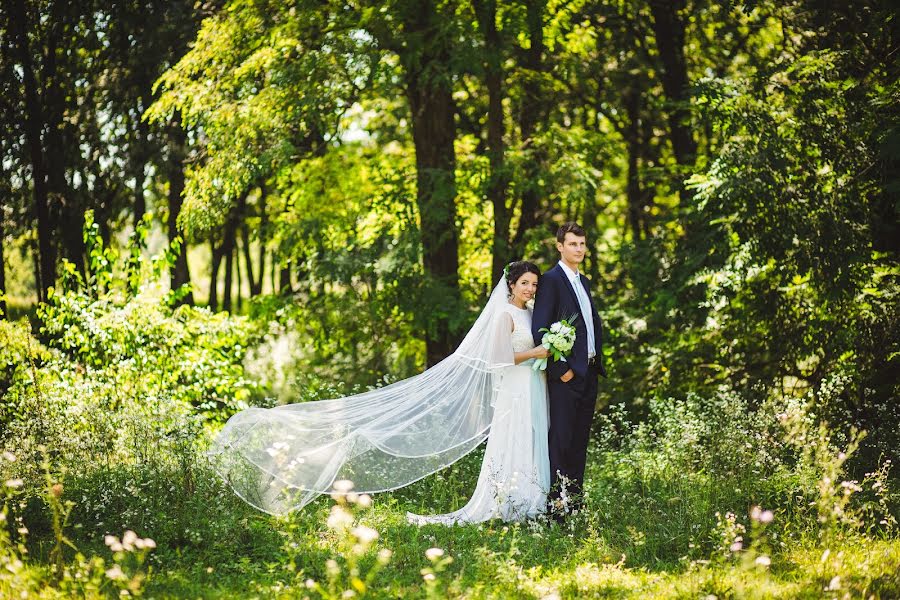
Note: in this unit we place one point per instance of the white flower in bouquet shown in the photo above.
(558, 339)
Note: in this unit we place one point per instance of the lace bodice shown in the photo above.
(521, 335)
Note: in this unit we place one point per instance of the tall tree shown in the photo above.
(327, 58)
(425, 54)
(2, 270)
(176, 153)
(669, 30)
(34, 126)
(531, 112)
(498, 182)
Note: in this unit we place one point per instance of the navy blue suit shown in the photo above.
(572, 402)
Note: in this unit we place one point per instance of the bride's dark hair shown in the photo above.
(516, 269)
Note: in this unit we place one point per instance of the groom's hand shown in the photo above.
(567, 376)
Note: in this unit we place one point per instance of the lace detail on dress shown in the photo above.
(521, 335)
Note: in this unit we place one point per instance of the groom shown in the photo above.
(572, 383)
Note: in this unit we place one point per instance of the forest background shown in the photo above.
(211, 205)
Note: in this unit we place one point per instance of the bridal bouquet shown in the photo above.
(558, 339)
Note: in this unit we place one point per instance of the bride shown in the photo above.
(280, 459)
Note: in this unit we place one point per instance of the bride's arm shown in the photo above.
(500, 348)
(536, 352)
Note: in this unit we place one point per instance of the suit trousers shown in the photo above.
(571, 414)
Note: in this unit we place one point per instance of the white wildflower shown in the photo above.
(115, 572)
(364, 534)
(343, 485)
(339, 518)
(434, 553)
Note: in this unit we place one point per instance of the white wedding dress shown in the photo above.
(515, 472)
(280, 459)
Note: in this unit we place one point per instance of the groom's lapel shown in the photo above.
(568, 284)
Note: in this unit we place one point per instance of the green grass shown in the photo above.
(641, 537)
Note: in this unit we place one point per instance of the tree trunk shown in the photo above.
(237, 276)
(228, 247)
(486, 10)
(36, 267)
(248, 259)
(668, 27)
(229, 242)
(66, 210)
(430, 93)
(3, 308)
(263, 226)
(139, 155)
(531, 114)
(180, 274)
(34, 124)
(284, 280)
(140, 203)
(215, 263)
(633, 142)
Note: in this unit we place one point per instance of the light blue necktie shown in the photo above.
(585, 304)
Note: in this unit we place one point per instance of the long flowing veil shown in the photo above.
(279, 459)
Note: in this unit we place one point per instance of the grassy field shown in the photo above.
(646, 533)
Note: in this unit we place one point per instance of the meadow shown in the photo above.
(107, 491)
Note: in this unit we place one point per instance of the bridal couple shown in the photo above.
(536, 422)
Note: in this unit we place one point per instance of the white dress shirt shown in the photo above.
(585, 304)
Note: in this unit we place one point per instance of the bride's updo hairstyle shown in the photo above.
(516, 269)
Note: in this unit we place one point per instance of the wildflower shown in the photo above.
(428, 577)
(433, 554)
(9, 456)
(763, 560)
(56, 489)
(850, 487)
(14, 483)
(343, 485)
(339, 518)
(384, 555)
(365, 501)
(310, 584)
(736, 546)
(277, 448)
(834, 584)
(129, 539)
(115, 572)
(364, 534)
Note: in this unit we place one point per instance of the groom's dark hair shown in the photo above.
(570, 227)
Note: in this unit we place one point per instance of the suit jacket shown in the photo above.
(556, 300)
